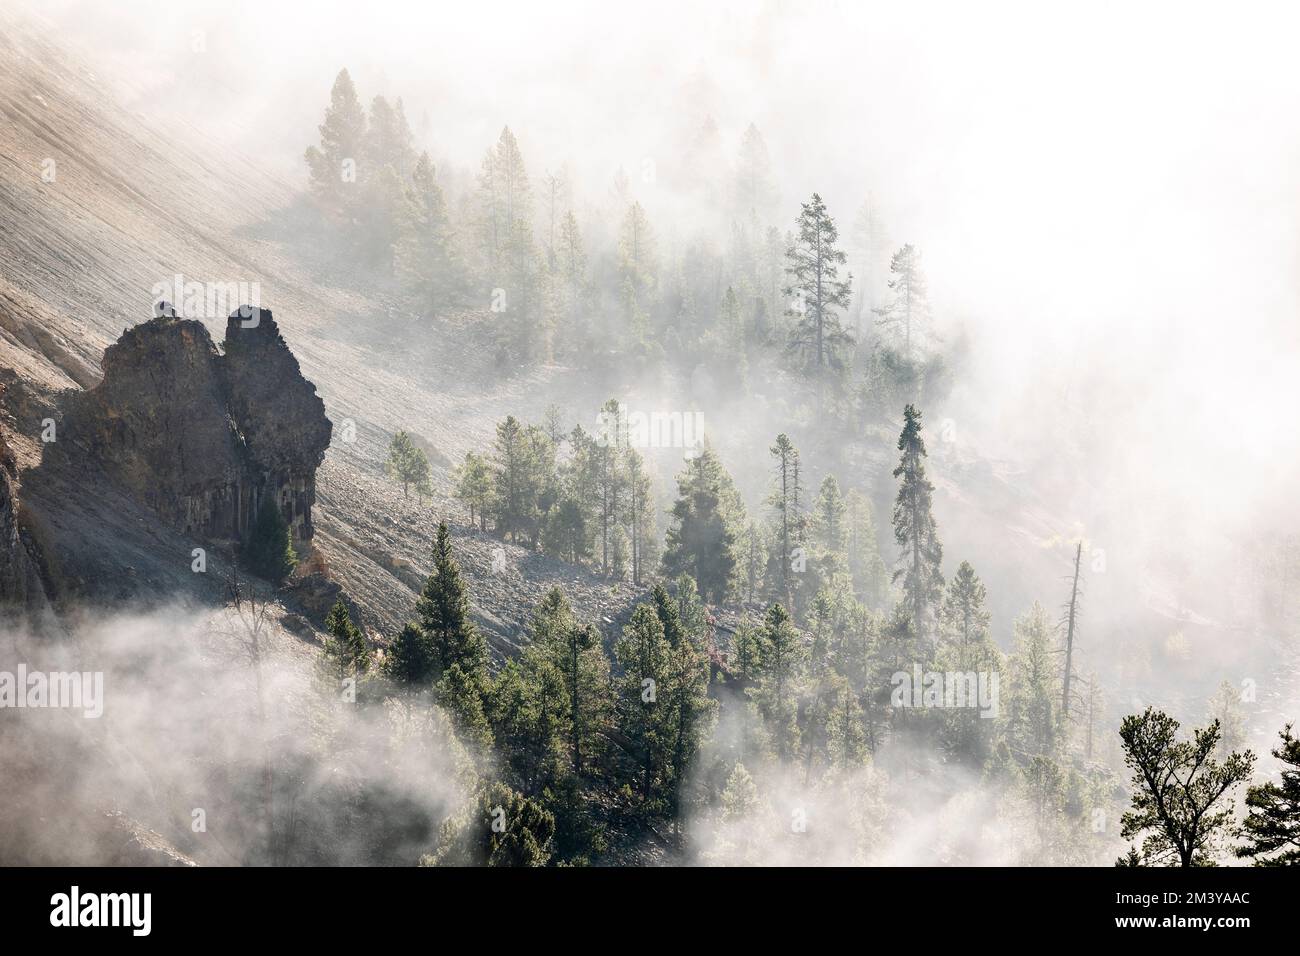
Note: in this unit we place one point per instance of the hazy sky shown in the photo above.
(1107, 193)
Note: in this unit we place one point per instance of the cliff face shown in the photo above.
(200, 436)
(20, 580)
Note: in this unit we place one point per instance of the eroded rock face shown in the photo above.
(20, 580)
(202, 436)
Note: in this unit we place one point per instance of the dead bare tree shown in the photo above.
(1071, 619)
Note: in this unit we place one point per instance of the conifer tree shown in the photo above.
(755, 193)
(500, 828)
(388, 138)
(701, 541)
(1033, 692)
(787, 510)
(474, 487)
(406, 463)
(1225, 707)
(642, 531)
(443, 613)
(1272, 827)
(914, 528)
(346, 647)
(909, 308)
(342, 138)
(817, 291)
(1180, 797)
(409, 660)
(426, 256)
(866, 567)
(783, 656)
(644, 656)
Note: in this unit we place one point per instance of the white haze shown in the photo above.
(1106, 197)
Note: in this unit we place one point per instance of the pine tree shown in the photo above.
(409, 660)
(426, 256)
(388, 138)
(1179, 789)
(910, 306)
(813, 264)
(406, 463)
(571, 268)
(867, 253)
(701, 541)
(608, 460)
(1033, 692)
(1225, 707)
(914, 527)
(579, 658)
(474, 487)
(965, 648)
(846, 739)
(524, 479)
(686, 694)
(342, 138)
(637, 252)
(443, 613)
(346, 647)
(500, 828)
(269, 552)
(643, 654)
(507, 248)
(461, 693)
(867, 568)
(1272, 826)
(783, 656)
(642, 531)
(787, 510)
(830, 532)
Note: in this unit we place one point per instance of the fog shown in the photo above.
(1107, 203)
(1104, 199)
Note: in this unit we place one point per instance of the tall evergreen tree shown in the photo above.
(701, 541)
(813, 264)
(426, 256)
(909, 308)
(644, 655)
(342, 139)
(787, 510)
(443, 614)
(914, 528)
(782, 659)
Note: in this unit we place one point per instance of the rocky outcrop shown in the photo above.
(20, 578)
(199, 435)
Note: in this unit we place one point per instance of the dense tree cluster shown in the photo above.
(756, 287)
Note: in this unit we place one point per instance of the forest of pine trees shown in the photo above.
(579, 283)
(768, 639)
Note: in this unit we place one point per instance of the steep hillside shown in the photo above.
(98, 206)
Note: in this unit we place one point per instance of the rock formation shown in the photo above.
(201, 436)
(20, 579)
